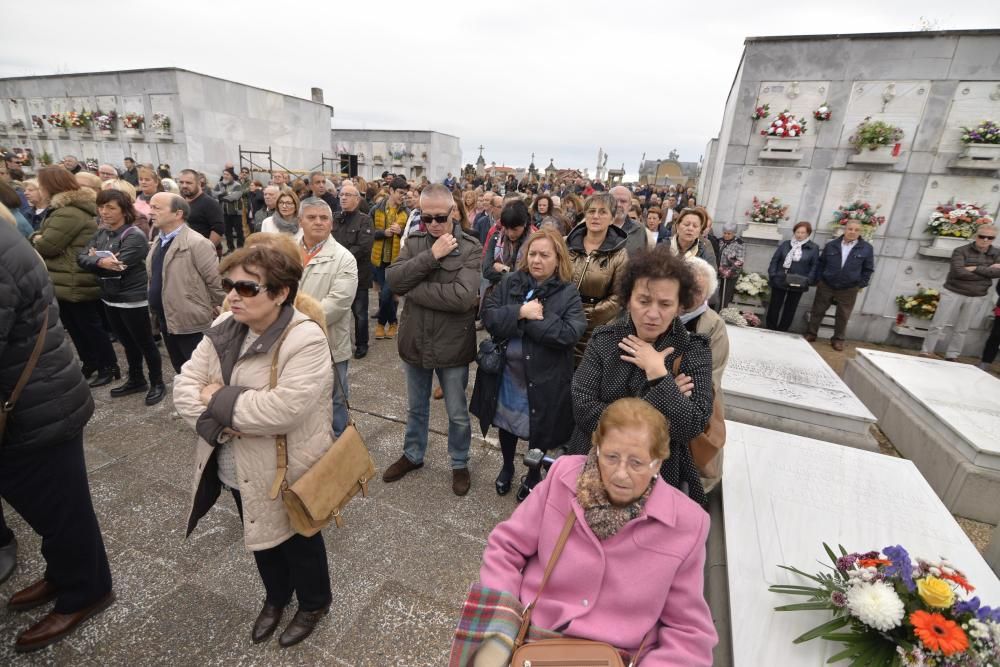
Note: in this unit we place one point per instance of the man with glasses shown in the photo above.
(353, 230)
(973, 268)
(438, 272)
(107, 173)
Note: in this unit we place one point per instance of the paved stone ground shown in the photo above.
(400, 568)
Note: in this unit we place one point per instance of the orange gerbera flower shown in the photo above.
(938, 633)
(873, 562)
(959, 578)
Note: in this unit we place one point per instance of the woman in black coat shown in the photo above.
(634, 357)
(537, 312)
(798, 257)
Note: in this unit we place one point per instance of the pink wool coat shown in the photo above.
(648, 574)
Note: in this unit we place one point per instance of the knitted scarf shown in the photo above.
(289, 226)
(603, 517)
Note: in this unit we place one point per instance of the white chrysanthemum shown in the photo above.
(876, 604)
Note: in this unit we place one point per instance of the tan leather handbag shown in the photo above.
(706, 447)
(340, 474)
(7, 406)
(565, 651)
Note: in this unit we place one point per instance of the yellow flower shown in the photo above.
(935, 592)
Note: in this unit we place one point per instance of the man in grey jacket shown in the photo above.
(438, 272)
(636, 233)
(973, 268)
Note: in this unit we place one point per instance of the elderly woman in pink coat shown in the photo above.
(631, 571)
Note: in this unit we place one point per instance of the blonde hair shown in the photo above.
(631, 412)
(564, 267)
(283, 243)
(121, 186)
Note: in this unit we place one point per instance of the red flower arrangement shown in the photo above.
(785, 125)
(761, 112)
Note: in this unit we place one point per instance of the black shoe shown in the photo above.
(130, 387)
(8, 560)
(503, 481)
(88, 370)
(526, 486)
(266, 623)
(361, 353)
(105, 376)
(302, 625)
(156, 393)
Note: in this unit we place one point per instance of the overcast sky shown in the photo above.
(560, 79)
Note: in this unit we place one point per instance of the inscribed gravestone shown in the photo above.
(900, 103)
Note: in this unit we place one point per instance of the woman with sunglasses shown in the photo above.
(224, 394)
(285, 219)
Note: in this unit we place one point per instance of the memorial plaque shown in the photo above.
(900, 103)
(781, 378)
(784, 496)
(847, 186)
(940, 189)
(786, 183)
(799, 98)
(971, 105)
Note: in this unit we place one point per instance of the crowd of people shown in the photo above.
(602, 346)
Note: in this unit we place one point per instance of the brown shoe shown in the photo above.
(302, 625)
(838, 345)
(35, 595)
(54, 627)
(438, 393)
(266, 623)
(379, 332)
(399, 469)
(460, 481)
(810, 338)
(392, 330)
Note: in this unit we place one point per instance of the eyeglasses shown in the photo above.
(985, 238)
(347, 195)
(245, 288)
(286, 202)
(427, 218)
(633, 465)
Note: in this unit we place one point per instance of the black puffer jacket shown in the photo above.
(130, 247)
(56, 403)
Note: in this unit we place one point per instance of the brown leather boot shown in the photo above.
(266, 623)
(399, 469)
(302, 625)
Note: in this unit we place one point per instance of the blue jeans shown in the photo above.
(340, 399)
(386, 299)
(418, 391)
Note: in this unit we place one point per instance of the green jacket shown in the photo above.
(64, 234)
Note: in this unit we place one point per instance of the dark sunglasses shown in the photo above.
(986, 238)
(427, 218)
(245, 288)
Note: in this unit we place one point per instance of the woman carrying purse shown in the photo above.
(789, 275)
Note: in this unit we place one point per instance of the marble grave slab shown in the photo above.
(784, 495)
(777, 380)
(943, 416)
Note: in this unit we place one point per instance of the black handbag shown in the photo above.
(797, 282)
(491, 356)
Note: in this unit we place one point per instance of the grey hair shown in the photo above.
(437, 191)
(314, 202)
(178, 203)
(729, 227)
(276, 188)
(708, 272)
(605, 198)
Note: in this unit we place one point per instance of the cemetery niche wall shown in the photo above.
(879, 120)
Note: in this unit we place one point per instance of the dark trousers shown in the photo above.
(992, 343)
(135, 333)
(296, 565)
(508, 447)
(82, 320)
(386, 299)
(727, 287)
(781, 309)
(49, 489)
(234, 227)
(6, 534)
(359, 308)
(825, 295)
(180, 347)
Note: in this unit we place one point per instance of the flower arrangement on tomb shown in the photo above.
(753, 285)
(987, 132)
(957, 220)
(823, 112)
(79, 119)
(161, 123)
(859, 211)
(37, 123)
(106, 121)
(921, 305)
(736, 317)
(133, 121)
(57, 120)
(786, 125)
(761, 111)
(45, 158)
(872, 134)
(770, 211)
(889, 609)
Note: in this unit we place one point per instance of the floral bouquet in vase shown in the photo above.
(769, 212)
(57, 120)
(786, 125)
(823, 113)
(889, 610)
(957, 220)
(859, 211)
(161, 123)
(921, 305)
(133, 121)
(753, 285)
(987, 132)
(761, 111)
(106, 121)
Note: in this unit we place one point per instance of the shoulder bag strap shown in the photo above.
(677, 364)
(281, 441)
(560, 543)
(29, 367)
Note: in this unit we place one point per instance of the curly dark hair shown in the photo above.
(660, 263)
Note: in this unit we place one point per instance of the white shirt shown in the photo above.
(845, 250)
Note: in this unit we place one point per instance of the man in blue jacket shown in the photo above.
(845, 266)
